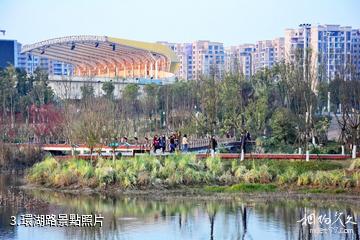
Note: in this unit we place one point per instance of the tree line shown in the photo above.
(284, 105)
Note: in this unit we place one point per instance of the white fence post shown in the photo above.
(354, 152)
(242, 156)
(307, 155)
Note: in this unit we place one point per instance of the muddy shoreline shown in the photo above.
(198, 193)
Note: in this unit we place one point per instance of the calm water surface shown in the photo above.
(141, 218)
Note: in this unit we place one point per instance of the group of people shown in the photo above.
(178, 142)
(174, 143)
(160, 142)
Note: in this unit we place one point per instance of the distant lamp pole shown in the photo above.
(164, 119)
(328, 103)
(197, 119)
(113, 146)
(328, 35)
(307, 120)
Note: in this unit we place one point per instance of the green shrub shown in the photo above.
(258, 175)
(347, 182)
(322, 179)
(214, 165)
(64, 178)
(240, 172)
(143, 179)
(40, 172)
(105, 175)
(226, 178)
(356, 179)
(146, 171)
(174, 179)
(81, 168)
(336, 178)
(355, 164)
(332, 178)
(305, 178)
(289, 176)
(277, 167)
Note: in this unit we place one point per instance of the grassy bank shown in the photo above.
(145, 172)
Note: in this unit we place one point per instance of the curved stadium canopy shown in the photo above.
(108, 56)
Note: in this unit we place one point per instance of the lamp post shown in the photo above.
(163, 114)
(197, 119)
(328, 35)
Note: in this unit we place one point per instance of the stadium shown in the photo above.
(98, 59)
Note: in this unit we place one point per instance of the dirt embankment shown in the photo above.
(198, 193)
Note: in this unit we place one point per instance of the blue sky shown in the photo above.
(229, 21)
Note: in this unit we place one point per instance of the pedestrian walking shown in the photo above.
(185, 143)
(172, 143)
(156, 143)
(163, 143)
(213, 145)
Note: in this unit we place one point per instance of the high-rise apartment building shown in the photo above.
(10, 55)
(355, 52)
(30, 63)
(267, 53)
(239, 59)
(200, 58)
(184, 54)
(9, 52)
(333, 49)
(208, 58)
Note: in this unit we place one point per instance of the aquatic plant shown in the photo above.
(82, 168)
(214, 165)
(105, 175)
(355, 164)
(40, 172)
(305, 178)
(258, 175)
(240, 172)
(289, 176)
(64, 178)
(356, 179)
(322, 179)
(149, 171)
(226, 178)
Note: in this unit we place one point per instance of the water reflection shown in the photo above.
(180, 218)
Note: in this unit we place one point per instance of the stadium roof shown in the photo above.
(92, 52)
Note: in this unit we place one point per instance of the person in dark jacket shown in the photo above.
(213, 145)
(163, 143)
(172, 143)
(156, 143)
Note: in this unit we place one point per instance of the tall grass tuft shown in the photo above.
(305, 178)
(289, 176)
(355, 165)
(149, 171)
(259, 174)
(41, 172)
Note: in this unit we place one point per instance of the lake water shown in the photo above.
(171, 218)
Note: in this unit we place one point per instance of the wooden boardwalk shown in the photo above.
(129, 150)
